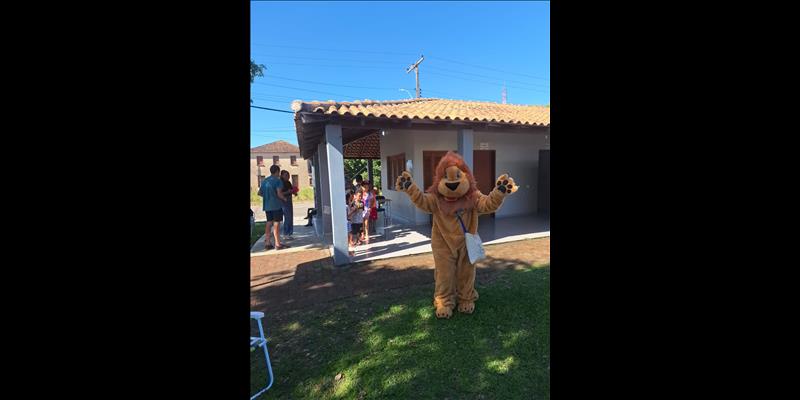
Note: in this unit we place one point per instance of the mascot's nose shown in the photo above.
(452, 186)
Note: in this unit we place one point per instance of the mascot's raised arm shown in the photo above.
(453, 194)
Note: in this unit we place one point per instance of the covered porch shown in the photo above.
(329, 133)
(402, 239)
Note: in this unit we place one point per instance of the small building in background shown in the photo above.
(283, 154)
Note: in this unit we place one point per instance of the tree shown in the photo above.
(256, 70)
(353, 167)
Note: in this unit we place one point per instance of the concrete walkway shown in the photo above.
(403, 240)
(408, 240)
(304, 238)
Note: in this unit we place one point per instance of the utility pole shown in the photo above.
(415, 67)
(504, 93)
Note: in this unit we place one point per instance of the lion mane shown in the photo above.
(467, 201)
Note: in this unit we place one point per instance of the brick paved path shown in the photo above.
(300, 279)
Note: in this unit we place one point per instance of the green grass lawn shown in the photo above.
(391, 346)
(305, 194)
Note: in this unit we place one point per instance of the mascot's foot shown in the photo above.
(444, 312)
(466, 307)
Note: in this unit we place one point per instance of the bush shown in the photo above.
(306, 193)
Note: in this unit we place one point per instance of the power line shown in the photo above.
(443, 95)
(272, 109)
(399, 54)
(270, 136)
(276, 130)
(488, 68)
(284, 102)
(324, 59)
(277, 96)
(334, 50)
(329, 66)
(436, 93)
(384, 88)
(327, 84)
(488, 83)
(266, 132)
(277, 127)
(271, 100)
(486, 76)
(307, 90)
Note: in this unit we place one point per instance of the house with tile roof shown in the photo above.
(281, 153)
(493, 138)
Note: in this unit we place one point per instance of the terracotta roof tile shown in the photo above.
(435, 109)
(276, 147)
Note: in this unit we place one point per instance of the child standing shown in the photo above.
(357, 217)
(368, 199)
(349, 203)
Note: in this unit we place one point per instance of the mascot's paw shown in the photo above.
(444, 312)
(466, 307)
(506, 184)
(403, 181)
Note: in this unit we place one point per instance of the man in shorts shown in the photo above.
(271, 190)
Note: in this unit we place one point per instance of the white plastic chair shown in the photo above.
(261, 341)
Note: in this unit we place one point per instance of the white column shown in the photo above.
(335, 160)
(317, 219)
(325, 199)
(315, 172)
(465, 144)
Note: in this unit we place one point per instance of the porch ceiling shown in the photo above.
(366, 147)
(311, 128)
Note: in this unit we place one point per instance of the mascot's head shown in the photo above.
(453, 184)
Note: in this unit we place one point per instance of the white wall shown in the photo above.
(393, 143)
(412, 143)
(515, 153)
(426, 141)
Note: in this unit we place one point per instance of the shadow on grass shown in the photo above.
(318, 281)
(389, 345)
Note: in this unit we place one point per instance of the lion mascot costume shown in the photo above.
(454, 193)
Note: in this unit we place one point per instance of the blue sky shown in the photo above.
(359, 50)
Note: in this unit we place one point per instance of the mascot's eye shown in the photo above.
(458, 174)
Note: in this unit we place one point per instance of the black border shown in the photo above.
(142, 234)
(141, 263)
